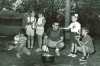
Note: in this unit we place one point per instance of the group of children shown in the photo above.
(80, 39)
(33, 26)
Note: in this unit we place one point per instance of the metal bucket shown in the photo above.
(47, 58)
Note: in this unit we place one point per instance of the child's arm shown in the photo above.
(69, 27)
(45, 40)
(61, 40)
(44, 21)
(34, 24)
(82, 43)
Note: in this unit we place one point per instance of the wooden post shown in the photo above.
(67, 17)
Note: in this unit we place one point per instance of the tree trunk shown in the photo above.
(67, 17)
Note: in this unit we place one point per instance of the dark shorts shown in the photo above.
(73, 40)
(53, 44)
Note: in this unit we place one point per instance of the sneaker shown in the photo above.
(9, 49)
(18, 55)
(38, 50)
(74, 55)
(31, 47)
(82, 63)
(83, 59)
(70, 54)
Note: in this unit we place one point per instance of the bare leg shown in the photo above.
(26, 51)
(72, 48)
(75, 48)
(84, 54)
(57, 52)
(28, 42)
(32, 41)
(58, 47)
(84, 50)
(40, 41)
(19, 52)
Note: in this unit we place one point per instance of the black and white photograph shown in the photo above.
(49, 32)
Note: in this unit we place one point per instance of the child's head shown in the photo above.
(21, 32)
(74, 17)
(40, 15)
(85, 31)
(33, 13)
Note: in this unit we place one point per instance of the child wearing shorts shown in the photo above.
(30, 29)
(40, 29)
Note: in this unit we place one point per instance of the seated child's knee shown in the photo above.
(29, 53)
(79, 49)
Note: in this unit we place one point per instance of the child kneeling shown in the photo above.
(85, 45)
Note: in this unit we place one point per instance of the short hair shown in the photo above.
(75, 15)
(56, 22)
(41, 13)
(22, 31)
(29, 23)
(86, 29)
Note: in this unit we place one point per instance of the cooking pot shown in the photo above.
(47, 58)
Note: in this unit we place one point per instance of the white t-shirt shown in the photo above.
(40, 20)
(32, 20)
(40, 27)
(16, 39)
(28, 27)
(20, 39)
(75, 27)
